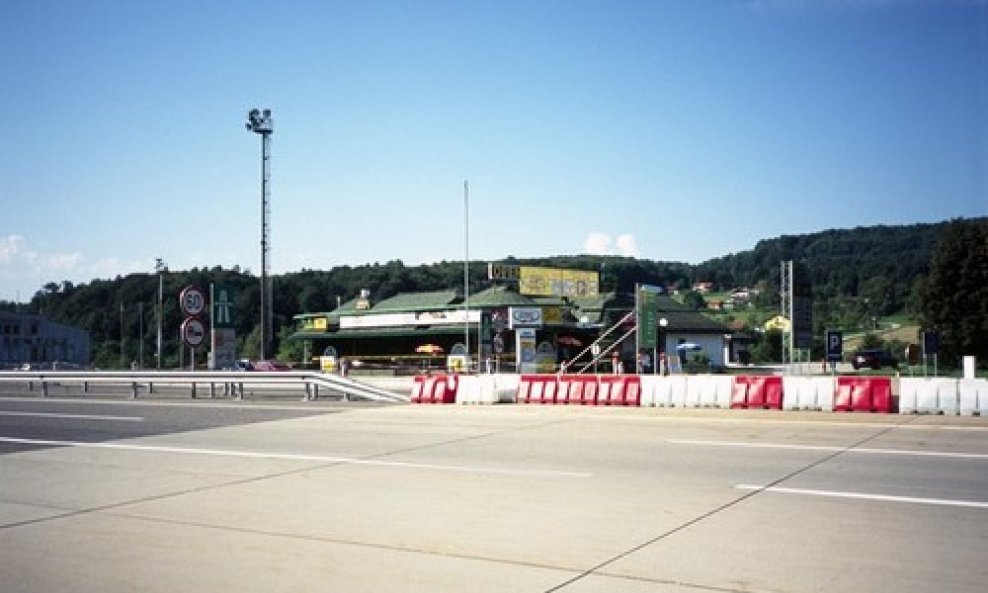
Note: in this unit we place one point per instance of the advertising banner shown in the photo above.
(534, 281)
(525, 317)
(526, 349)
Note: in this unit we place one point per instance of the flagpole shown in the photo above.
(466, 269)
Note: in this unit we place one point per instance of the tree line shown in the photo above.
(936, 273)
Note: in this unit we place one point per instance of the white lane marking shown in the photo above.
(971, 504)
(74, 416)
(536, 473)
(823, 423)
(828, 448)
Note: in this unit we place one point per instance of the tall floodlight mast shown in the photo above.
(261, 123)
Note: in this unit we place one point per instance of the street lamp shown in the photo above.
(160, 267)
(663, 323)
(261, 123)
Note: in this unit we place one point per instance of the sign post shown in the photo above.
(646, 315)
(931, 347)
(223, 336)
(835, 348)
(192, 302)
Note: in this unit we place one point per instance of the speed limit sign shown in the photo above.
(192, 300)
(193, 332)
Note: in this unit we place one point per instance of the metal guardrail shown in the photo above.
(232, 383)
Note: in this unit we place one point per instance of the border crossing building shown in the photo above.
(499, 329)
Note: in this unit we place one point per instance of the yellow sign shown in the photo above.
(534, 281)
(315, 324)
(552, 315)
(778, 322)
(502, 272)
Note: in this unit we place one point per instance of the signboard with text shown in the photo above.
(539, 281)
(647, 313)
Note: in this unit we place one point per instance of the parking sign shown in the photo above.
(835, 345)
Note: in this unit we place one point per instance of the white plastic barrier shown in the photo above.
(808, 393)
(506, 388)
(678, 387)
(709, 391)
(487, 389)
(928, 396)
(664, 391)
(973, 396)
(650, 385)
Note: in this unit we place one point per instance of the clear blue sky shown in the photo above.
(669, 130)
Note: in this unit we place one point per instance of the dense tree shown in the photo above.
(694, 300)
(954, 300)
(856, 275)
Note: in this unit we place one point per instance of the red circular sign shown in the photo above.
(192, 300)
(193, 332)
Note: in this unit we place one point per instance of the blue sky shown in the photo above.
(668, 130)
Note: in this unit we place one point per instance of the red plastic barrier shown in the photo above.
(578, 390)
(863, 394)
(620, 390)
(435, 389)
(417, 389)
(537, 389)
(757, 391)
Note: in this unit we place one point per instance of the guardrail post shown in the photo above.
(193, 390)
(150, 388)
(85, 386)
(240, 391)
(133, 390)
(44, 388)
(212, 390)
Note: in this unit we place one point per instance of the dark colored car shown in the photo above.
(873, 359)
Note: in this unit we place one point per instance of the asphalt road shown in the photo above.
(234, 496)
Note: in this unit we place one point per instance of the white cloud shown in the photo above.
(10, 247)
(626, 245)
(25, 270)
(598, 243)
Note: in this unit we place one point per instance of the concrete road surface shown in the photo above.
(507, 498)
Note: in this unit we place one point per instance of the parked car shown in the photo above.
(270, 365)
(242, 365)
(873, 359)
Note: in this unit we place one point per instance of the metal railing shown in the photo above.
(604, 352)
(228, 383)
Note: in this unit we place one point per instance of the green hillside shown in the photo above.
(863, 279)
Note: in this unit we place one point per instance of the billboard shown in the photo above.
(537, 281)
(534, 281)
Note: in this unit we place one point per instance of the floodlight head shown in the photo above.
(260, 123)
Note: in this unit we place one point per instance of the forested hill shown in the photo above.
(862, 272)
(878, 263)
